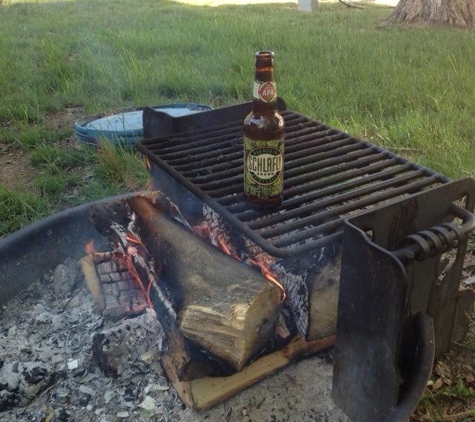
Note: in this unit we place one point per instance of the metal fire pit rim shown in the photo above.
(39, 247)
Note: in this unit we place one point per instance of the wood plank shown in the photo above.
(205, 392)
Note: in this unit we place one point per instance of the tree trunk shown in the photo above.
(446, 12)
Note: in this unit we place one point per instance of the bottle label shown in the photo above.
(263, 163)
(265, 91)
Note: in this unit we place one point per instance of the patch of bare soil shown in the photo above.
(64, 118)
(15, 168)
(15, 164)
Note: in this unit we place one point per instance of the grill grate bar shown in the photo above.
(195, 158)
(325, 188)
(303, 183)
(329, 176)
(323, 204)
(303, 146)
(326, 177)
(289, 239)
(223, 159)
(183, 154)
(235, 167)
(182, 143)
(234, 176)
(314, 163)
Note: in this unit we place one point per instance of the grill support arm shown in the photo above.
(396, 311)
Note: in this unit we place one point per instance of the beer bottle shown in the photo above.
(264, 139)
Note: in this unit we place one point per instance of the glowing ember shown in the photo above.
(267, 273)
(261, 262)
(133, 238)
(226, 249)
(275, 282)
(148, 165)
(133, 254)
(89, 248)
(203, 231)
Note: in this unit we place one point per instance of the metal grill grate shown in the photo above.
(329, 175)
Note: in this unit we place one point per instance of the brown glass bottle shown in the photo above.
(264, 139)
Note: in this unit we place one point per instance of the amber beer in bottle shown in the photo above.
(264, 139)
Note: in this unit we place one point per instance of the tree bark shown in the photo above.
(458, 13)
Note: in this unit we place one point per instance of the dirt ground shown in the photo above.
(15, 162)
(15, 168)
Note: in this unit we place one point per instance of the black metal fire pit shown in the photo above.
(402, 219)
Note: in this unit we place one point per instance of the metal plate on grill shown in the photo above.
(328, 176)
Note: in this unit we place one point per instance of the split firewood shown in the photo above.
(225, 306)
(311, 287)
(324, 287)
(208, 391)
(112, 286)
(92, 281)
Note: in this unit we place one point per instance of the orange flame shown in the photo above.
(274, 281)
(131, 252)
(227, 250)
(133, 238)
(89, 248)
(134, 249)
(138, 250)
(267, 273)
(203, 231)
(148, 164)
(263, 266)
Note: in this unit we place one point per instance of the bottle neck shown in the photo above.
(264, 92)
(264, 96)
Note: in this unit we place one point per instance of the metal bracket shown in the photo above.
(396, 311)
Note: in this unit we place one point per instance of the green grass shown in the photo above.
(411, 90)
(408, 89)
(120, 168)
(20, 207)
(434, 404)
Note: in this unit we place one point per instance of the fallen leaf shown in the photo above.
(439, 383)
(444, 372)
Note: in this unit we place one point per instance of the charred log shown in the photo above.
(116, 221)
(324, 300)
(205, 392)
(223, 305)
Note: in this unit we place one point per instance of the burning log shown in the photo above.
(324, 300)
(226, 307)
